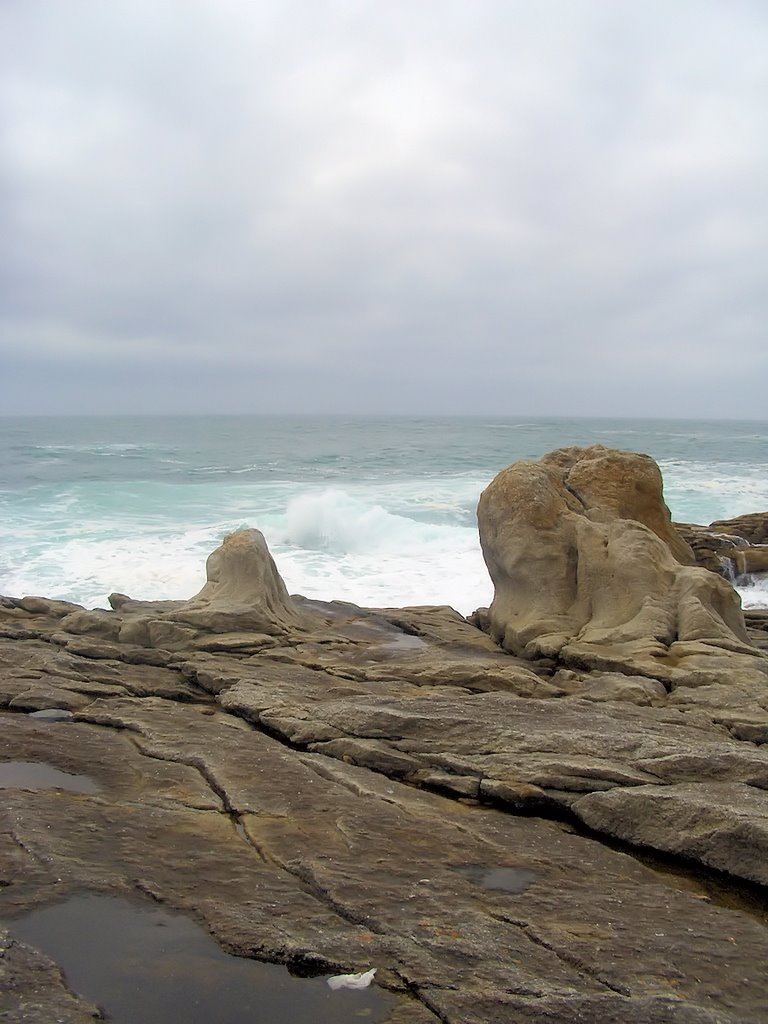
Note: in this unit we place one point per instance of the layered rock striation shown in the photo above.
(733, 548)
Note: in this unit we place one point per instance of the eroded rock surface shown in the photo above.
(587, 569)
(752, 527)
(339, 788)
(309, 859)
(733, 548)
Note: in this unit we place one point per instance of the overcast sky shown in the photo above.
(431, 206)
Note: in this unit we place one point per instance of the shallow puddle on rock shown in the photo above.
(38, 775)
(403, 642)
(508, 879)
(148, 965)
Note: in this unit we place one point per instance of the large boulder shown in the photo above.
(587, 568)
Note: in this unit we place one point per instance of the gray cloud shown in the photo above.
(446, 207)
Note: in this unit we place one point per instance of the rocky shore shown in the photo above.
(469, 806)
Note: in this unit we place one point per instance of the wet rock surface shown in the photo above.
(339, 800)
(733, 548)
(335, 788)
(752, 527)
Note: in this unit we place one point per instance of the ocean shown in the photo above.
(377, 511)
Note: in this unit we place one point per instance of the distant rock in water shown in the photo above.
(734, 548)
(752, 527)
(588, 569)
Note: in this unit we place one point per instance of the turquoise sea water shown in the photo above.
(379, 511)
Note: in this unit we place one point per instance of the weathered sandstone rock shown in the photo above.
(732, 548)
(719, 823)
(621, 485)
(243, 590)
(752, 527)
(747, 561)
(587, 569)
(711, 549)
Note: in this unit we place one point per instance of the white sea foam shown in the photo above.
(754, 592)
(328, 544)
(86, 570)
(458, 579)
(702, 493)
(331, 544)
(97, 449)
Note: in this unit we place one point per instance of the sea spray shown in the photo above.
(333, 521)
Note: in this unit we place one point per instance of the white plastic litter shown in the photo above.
(354, 981)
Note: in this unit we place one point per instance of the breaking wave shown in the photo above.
(335, 522)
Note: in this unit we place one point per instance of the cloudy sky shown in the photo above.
(431, 206)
